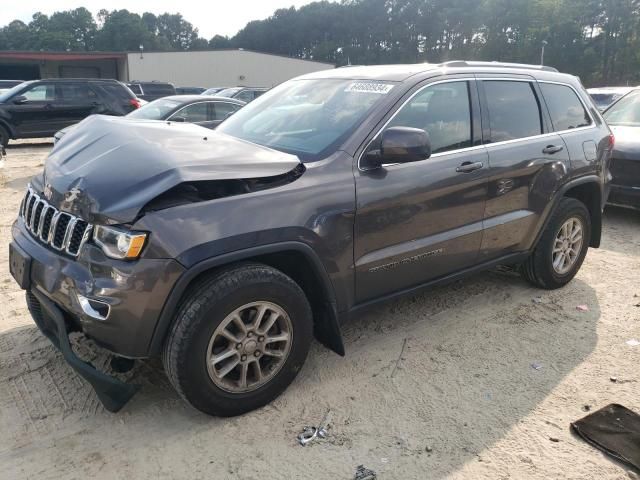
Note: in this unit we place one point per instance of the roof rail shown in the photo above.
(524, 66)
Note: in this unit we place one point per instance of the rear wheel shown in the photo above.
(239, 340)
(562, 246)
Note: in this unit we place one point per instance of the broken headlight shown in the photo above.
(118, 243)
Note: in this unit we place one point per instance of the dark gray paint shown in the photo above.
(371, 234)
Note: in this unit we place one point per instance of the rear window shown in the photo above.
(565, 108)
(513, 110)
(118, 90)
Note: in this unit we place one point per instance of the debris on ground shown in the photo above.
(536, 366)
(614, 430)
(428, 449)
(586, 408)
(363, 473)
(309, 433)
(536, 299)
(582, 308)
(400, 357)
(633, 342)
(554, 439)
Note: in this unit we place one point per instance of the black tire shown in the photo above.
(538, 269)
(202, 311)
(4, 137)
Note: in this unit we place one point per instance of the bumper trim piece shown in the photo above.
(113, 393)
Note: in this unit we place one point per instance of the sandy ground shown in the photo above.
(464, 401)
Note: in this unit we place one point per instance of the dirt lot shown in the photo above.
(464, 401)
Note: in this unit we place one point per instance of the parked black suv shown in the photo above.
(40, 108)
(225, 253)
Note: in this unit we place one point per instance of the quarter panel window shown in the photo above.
(514, 111)
(565, 107)
(443, 111)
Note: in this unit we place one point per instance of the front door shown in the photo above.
(36, 114)
(419, 221)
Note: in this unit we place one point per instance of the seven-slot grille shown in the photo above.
(60, 230)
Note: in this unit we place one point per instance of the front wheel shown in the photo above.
(239, 340)
(562, 246)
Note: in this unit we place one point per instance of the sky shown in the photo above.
(223, 17)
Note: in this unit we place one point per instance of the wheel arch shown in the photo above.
(590, 194)
(295, 259)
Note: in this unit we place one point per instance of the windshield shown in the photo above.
(626, 111)
(228, 92)
(603, 100)
(156, 110)
(7, 94)
(308, 118)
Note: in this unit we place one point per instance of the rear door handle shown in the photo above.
(467, 167)
(551, 149)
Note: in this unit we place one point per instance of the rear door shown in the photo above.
(527, 160)
(76, 101)
(422, 220)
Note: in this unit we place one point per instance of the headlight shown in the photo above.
(116, 243)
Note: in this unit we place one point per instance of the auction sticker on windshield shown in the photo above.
(369, 87)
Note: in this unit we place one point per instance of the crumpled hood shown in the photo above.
(627, 145)
(108, 168)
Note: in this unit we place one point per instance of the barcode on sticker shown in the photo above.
(369, 87)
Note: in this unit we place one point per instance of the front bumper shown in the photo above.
(624, 196)
(113, 393)
(134, 292)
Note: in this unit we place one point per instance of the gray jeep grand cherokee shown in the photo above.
(225, 252)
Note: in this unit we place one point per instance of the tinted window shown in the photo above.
(40, 93)
(135, 89)
(194, 113)
(564, 106)
(223, 110)
(118, 90)
(442, 110)
(513, 110)
(76, 92)
(158, 89)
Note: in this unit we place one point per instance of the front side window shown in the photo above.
(565, 107)
(40, 93)
(514, 111)
(625, 111)
(443, 111)
(308, 118)
(194, 113)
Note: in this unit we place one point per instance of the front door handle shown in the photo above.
(551, 149)
(467, 167)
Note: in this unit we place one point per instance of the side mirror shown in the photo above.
(19, 100)
(399, 145)
(178, 119)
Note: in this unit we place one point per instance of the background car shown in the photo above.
(190, 90)
(605, 96)
(246, 94)
(207, 112)
(39, 108)
(153, 90)
(212, 91)
(624, 119)
(7, 84)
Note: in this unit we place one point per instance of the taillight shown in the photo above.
(135, 103)
(612, 140)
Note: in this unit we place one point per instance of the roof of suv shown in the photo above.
(400, 73)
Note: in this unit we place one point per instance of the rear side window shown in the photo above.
(158, 89)
(135, 88)
(76, 92)
(564, 106)
(118, 90)
(223, 109)
(514, 111)
(443, 111)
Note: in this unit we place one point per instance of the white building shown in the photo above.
(213, 68)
